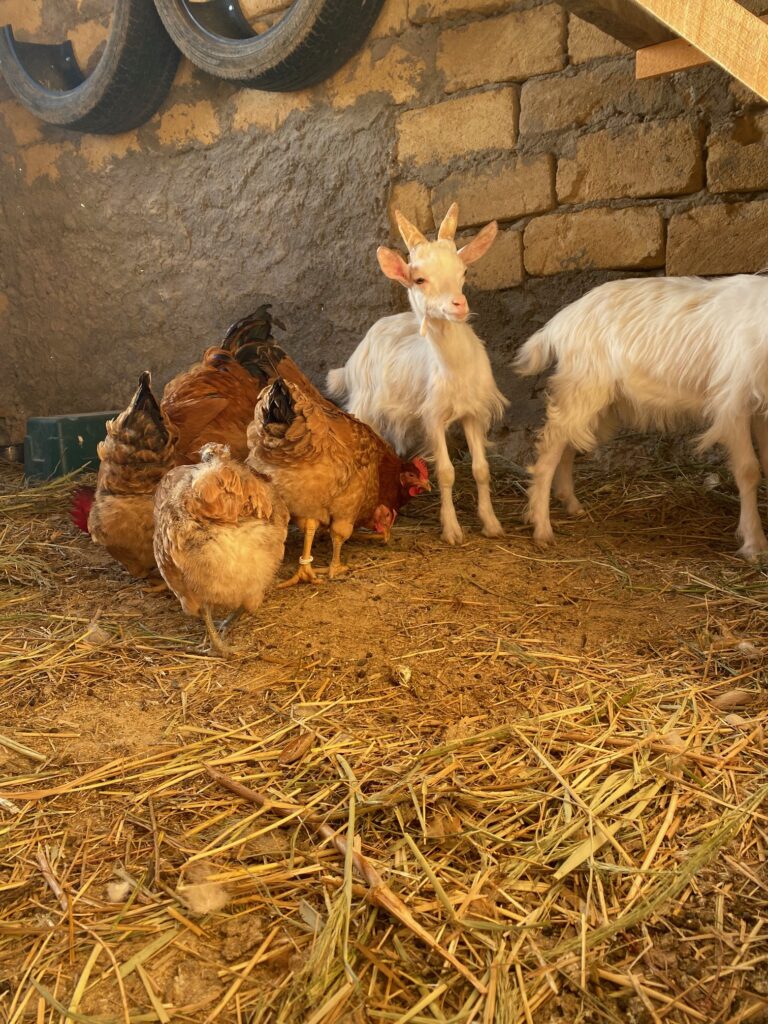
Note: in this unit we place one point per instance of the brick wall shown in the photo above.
(514, 109)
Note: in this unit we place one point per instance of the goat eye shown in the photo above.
(420, 280)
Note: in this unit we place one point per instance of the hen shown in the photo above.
(213, 401)
(137, 452)
(219, 536)
(331, 469)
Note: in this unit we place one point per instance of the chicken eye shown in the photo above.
(420, 280)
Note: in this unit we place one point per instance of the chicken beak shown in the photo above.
(425, 485)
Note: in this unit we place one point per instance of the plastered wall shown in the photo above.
(120, 253)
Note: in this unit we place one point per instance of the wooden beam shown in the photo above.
(675, 55)
(722, 30)
(621, 19)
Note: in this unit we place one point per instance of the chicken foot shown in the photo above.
(305, 573)
(338, 537)
(155, 584)
(216, 642)
(225, 625)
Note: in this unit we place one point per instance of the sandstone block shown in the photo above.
(268, 110)
(26, 17)
(392, 20)
(502, 265)
(591, 94)
(485, 120)
(86, 39)
(99, 150)
(597, 238)
(737, 159)
(412, 199)
(513, 47)
(397, 72)
(512, 188)
(720, 239)
(653, 159)
(189, 122)
(40, 161)
(421, 11)
(586, 42)
(22, 125)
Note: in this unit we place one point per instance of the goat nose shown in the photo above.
(460, 303)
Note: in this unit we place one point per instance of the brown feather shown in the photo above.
(326, 464)
(139, 449)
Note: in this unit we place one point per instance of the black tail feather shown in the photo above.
(261, 359)
(257, 326)
(145, 402)
(280, 405)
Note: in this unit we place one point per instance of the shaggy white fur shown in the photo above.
(654, 353)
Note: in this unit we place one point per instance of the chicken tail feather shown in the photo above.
(261, 359)
(280, 404)
(82, 500)
(257, 326)
(145, 402)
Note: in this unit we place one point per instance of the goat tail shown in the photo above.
(536, 354)
(336, 382)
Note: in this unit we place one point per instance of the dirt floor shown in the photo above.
(554, 762)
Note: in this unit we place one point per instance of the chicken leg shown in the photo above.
(305, 573)
(216, 642)
(340, 532)
(225, 624)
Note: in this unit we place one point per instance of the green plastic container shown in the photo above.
(57, 445)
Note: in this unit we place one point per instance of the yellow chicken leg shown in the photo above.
(305, 573)
(339, 534)
(224, 649)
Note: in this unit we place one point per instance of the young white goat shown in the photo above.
(654, 353)
(414, 374)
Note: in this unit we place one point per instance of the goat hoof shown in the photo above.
(453, 535)
(575, 508)
(543, 538)
(753, 552)
(493, 529)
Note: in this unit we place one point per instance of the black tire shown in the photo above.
(127, 86)
(313, 39)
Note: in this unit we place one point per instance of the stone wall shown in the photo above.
(120, 253)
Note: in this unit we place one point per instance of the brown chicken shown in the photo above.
(214, 400)
(331, 469)
(219, 536)
(137, 452)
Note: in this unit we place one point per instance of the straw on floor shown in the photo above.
(469, 785)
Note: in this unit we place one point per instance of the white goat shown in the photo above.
(654, 353)
(414, 374)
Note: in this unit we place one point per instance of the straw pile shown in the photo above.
(468, 785)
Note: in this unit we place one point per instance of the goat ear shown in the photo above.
(450, 223)
(394, 266)
(480, 244)
(411, 234)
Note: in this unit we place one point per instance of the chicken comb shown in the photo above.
(422, 467)
(82, 501)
